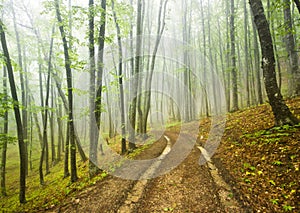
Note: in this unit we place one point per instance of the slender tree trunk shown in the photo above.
(67, 148)
(52, 131)
(247, 70)
(228, 91)
(21, 143)
(100, 66)
(5, 132)
(280, 110)
(70, 94)
(205, 87)
(23, 89)
(120, 74)
(132, 110)
(294, 74)
(257, 63)
(60, 132)
(160, 30)
(45, 122)
(233, 58)
(93, 131)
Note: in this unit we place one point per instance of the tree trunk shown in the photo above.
(45, 122)
(294, 75)
(280, 110)
(23, 89)
(93, 130)
(70, 94)
(160, 30)
(21, 143)
(256, 62)
(100, 65)
(52, 131)
(60, 132)
(247, 70)
(5, 132)
(233, 59)
(120, 73)
(132, 110)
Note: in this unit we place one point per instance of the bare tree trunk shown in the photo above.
(120, 74)
(235, 106)
(23, 89)
(280, 110)
(93, 131)
(45, 122)
(5, 132)
(132, 110)
(246, 54)
(52, 131)
(204, 60)
(294, 74)
(160, 30)
(21, 143)
(70, 94)
(60, 132)
(257, 63)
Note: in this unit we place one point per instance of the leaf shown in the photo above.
(272, 182)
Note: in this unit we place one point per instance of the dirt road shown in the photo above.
(187, 188)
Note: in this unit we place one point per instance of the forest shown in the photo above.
(149, 106)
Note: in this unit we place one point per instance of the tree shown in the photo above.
(23, 87)
(137, 67)
(70, 93)
(294, 78)
(280, 110)
(120, 78)
(21, 143)
(233, 58)
(45, 122)
(4, 145)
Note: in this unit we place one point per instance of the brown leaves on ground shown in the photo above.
(261, 161)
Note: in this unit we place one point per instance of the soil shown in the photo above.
(255, 169)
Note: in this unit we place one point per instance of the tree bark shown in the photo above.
(294, 75)
(21, 143)
(233, 58)
(70, 93)
(280, 110)
(23, 88)
(45, 122)
(5, 132)
(94, 128)
(133, 106)
(120, 77)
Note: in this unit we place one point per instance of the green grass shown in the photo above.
(38, 197)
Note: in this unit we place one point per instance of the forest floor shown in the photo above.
(255, 169)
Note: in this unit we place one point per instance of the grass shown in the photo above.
(56, 187)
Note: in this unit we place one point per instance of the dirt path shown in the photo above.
(187, 188)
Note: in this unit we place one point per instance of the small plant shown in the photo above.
(287, 208)
(274, 201)
(277, 163)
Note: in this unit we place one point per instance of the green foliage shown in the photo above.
(287, 208)
(6, 103)
(8, 139)
(277, 163)
(274, 201)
